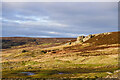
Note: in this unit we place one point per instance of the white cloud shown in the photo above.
(42, 23)
(42, 18)
(33, 20)
(54, 32)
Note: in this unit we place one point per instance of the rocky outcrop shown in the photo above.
(85, 38)
(80, 38)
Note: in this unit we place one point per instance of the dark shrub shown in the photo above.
(44, 51)
(54, 52)
(24, 51)
(49, 50)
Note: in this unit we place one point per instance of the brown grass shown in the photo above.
(8, 42)
(103, 39)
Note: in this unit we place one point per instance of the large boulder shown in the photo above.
(84, 38)
(87, 37)
(80, 38)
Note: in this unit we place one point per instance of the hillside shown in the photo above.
(8, 42)
(94, 58)
(105, 38)
(100, 39)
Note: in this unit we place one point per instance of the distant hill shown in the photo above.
(98, 39)
(8, 42)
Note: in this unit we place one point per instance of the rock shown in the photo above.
(87, 38)
(44, 51)
(69, 43)
(108, 72)
(83, 38)
(24, 51)
(80, 38)
(116, 71)
(29, 67)
(107, 33)
(77, 42)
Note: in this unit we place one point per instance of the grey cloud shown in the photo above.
(68, 19)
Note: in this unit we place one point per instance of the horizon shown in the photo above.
(47, 37)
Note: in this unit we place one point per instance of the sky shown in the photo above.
(58, 19)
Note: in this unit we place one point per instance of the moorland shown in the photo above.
(96, 57)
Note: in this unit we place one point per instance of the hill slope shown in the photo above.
(94, 58)
(99, 39)
(8, 42)
(105, 38)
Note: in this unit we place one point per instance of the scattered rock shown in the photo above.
(44, 51)
(116, 71)
(108, 72)
(84, 38)
(107, 33)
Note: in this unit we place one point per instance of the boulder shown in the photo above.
(80, 38)
(84, 38)
(87, 38)
(69, 43)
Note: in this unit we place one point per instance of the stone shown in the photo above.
(69, 43)
(80, 38)
(44, 51)
(87, 38)
(116, 71)
(108, 72)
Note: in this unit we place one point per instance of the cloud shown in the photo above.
(63, 19)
